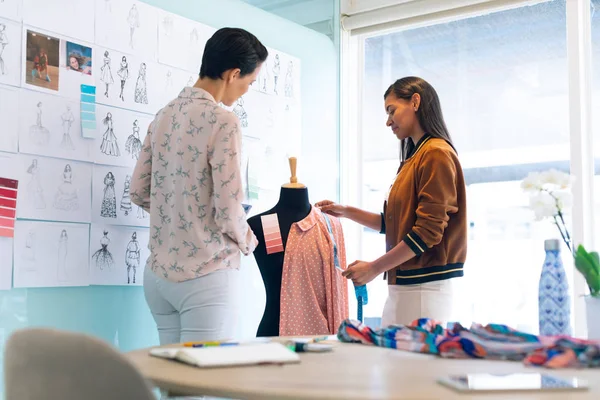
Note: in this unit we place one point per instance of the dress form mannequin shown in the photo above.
(293, 206)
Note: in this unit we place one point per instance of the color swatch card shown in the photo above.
(273, 241)
(8, 206)
(88, 111)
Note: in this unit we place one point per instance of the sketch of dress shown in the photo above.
(108, 6)
(106, 75)
(263, 77)
(66, 198)
(67, 120)
(62, 256)
(109, 201)
(126, 199)
(123, 73)
(134, 145)
(3, 43)
(141, 214)
(141, 95)
(109, 145)
(133, 19)
(132, 257)
(190, 82)
(241, 112)
(276, 71)
(38, 133)
(194, 36)
(29, 251)
(289, 80)
(168, 25)
(102, 257)
(34, 187)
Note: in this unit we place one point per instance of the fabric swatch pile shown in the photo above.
(493, 342)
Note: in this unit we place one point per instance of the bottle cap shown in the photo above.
(551, 245)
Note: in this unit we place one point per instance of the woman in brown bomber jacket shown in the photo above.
(424, 215)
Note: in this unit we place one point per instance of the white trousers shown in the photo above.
(197, 310)
(406, 303)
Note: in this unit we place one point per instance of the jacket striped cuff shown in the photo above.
(415, 243)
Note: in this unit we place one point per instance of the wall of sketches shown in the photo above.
(79, 84)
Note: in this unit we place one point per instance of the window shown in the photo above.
(503, 82)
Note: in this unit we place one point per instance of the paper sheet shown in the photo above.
(6, 263)
(65, 17)
(127, 26)
(123, 80)
(50, 254)
(181, 41)
(50, 125)
(9, 118)
(53, 189)
(118, 255)
(111, 202)
(11, 9)
(171, 82)
(10, 51)
(119, 136)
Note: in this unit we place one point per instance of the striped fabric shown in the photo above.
(493, 341)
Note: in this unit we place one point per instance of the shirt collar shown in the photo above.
(419, 144)
(310, 220)
(196, 93)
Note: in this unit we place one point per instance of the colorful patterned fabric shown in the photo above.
(493, 341)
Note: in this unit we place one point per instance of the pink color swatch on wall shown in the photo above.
(272, 233)
(8, 205)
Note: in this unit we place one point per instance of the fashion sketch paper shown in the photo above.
(10, 51)
(119, 136)
(6, 263)
(9, 118)
(111, 200)
(181, 41)
(128, 26)
(50, 126)
(11, 9)
(51, 254)
(118, 255)
(70, 18)
(53, 189)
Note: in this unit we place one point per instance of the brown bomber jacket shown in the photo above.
(427, 209)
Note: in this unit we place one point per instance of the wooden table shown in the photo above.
(350, 371)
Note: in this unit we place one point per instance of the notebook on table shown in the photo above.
(229, 356)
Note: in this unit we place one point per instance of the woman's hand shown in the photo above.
(331, 208)
(360, 272)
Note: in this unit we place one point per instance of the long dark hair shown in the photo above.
(429, 114)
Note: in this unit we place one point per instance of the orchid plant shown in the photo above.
(549, 198)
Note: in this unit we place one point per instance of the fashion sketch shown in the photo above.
(3, 43)
(133, 19)
(66, 195)
(289, 80)
(141, 95)
(241, 112)
(108, 6)
(132, 257)
(126, 199)
(29, 251)
(194, 36)
(109, 145)
(106, 75)
(62, 256)
(141, 214)
(263, 77)
(102, 257)
(190, 82)
(38, 133)
(123, 73)
(34, 187)
(276, 71)
(167, 25)
(169, 79)
(108, 209)
(67, 120)
(133, 145)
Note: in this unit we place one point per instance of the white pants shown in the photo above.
(200, 309)
(406, 303)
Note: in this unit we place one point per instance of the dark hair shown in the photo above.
(429, 114)
(232, 48)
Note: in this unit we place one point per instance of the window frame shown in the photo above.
(579, 57)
